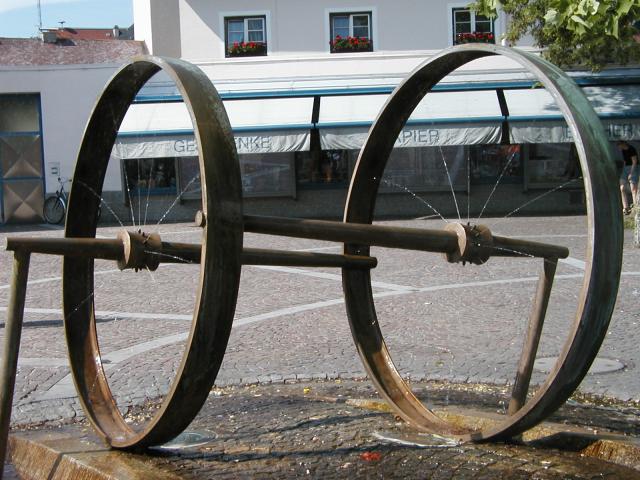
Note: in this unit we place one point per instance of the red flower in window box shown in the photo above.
(475, 37)
(350, 44)
(246, 49)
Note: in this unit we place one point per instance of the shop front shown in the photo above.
(297, 153)
(155, 154)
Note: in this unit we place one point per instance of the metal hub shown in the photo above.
(475, 244)
(140, 250)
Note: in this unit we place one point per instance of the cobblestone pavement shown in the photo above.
(319, 430)
(441, 321)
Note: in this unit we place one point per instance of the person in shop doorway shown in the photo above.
(572, 170)
(630, 173)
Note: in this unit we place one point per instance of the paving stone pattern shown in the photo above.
(441, 321)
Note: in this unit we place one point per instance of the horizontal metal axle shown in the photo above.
(131, 251)
(447, 241)
(139, 250)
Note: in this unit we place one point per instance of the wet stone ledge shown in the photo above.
(336, 430)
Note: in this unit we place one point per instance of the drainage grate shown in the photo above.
(600, 365)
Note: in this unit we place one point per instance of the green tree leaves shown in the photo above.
(589, 33)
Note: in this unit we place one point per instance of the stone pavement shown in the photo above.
(442, 322)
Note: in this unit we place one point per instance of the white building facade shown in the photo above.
(302, 82)
(197, 29)
(47, 91)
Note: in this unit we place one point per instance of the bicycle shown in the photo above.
(55, 207)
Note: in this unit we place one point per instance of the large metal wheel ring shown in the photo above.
(603, 257)
(220, 259)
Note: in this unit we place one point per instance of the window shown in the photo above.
(325, 168)
(263, 175)
(148, 176)
(490, 163)
(553, 163)
(470, 27)
(245, 36)
(267, 174)
(351, 32)
(420, 169)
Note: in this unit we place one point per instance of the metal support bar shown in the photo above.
(363, 234)
(530, 348)
(12, 333)
(258, 256)
(514, 247)
(170, 252)
(190, 253)
(139, 250)
(105, 249)
(430, 240)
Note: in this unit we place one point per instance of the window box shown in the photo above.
(247, 49)
(474, 37)
(350, 44)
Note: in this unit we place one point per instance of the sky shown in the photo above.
(19, 18)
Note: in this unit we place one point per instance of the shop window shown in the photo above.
(490, 163)
(189, 180)
(19, 113)
(263, 175)
(553, 163)
(326, 168)
(245, 36)
(423, 169)
(471, 27)
(350, 32)
(267, 174)
(149, 176)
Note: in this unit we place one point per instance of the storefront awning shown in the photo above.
(155, 130)
(475, 117)
(451, 118)
(534, 116)
(468, 117)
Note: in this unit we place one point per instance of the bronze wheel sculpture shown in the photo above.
(221, 252)
(604, 254)
(219, 262)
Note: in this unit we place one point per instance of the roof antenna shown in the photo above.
(62, 22)
(39, 16)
